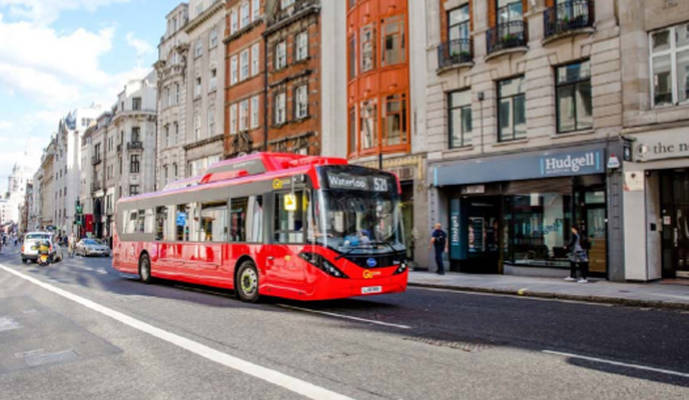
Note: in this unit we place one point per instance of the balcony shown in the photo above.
(567, 16)
(135, 145)
(454, 52)
(506, 35)
(96, 186)
(97, 159)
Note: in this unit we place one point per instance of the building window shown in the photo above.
(301, 102)
(395, 120)
(302, 45)
(368, 48)
(509, 10)
(243, 115)
(352, 130)
(351, 4)
(574, 108)
(255, 10)
(197, 87)
(233, 70)
(213, 83)
(133, 190)
(393, 42)
(511, 109)
(254, 112)
(197, 126)
(176, 135)
(459, 118)
(174, 170)
(244, 64)
(255, 59)
(233, 119)
(368, 124)
(134, 163)
(136, 103)
(166, 178)
(670, 65)
(136, 134)
(213, 38)
(198, 49)
(167, 134)
(280, 112)
(351, 62)
(458, 23)
(281, 55)
(286, 3)
(176, 93)
(234, 23)
(245, 18)
(211, 121)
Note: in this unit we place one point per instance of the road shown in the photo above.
(79, 329)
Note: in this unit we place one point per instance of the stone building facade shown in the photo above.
(172, 97)
(205, 79)
(524, 112)
(654, 41)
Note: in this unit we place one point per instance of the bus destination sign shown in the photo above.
(357, 182)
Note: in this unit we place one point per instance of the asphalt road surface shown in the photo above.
(78, 329)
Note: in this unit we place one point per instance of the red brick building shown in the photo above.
(293, 37)
(245, 130)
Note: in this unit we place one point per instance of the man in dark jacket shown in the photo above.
(439, 242)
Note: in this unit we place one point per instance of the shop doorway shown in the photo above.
(484, 223)
(674, 199)
(590, 214)
(407, 204)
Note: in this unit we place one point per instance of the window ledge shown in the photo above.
(460, 149)
(442, 70)
(573, 32)
(572, 133)
(496, 54)
(510, 142)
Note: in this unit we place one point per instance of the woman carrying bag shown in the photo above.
(578, 257)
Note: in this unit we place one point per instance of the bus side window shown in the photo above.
(254, 221)
(131, 221)
(289, 218)
(238, 209)
(214, 222)
(141, 221)
(161, 223)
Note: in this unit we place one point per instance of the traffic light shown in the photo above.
(78, 207)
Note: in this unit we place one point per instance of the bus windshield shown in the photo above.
(356, 221)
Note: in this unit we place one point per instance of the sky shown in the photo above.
(58, 55)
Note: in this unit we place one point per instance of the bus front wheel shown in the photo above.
(247, 282)
(145, 268)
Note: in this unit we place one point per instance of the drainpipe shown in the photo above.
(265, 88)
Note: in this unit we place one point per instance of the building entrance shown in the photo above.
(674, 199)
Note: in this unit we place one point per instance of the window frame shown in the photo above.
(255, 59)
(243, 120)
(244, 68)
(283, 96)
(574, 85)
(297, 105)
(234, 72)
(451, 107)
(233, 118)
(400, 98)
(280, 55)
(401, 36)
(522, 94)
(254, 112)
(300, 47)
(673, 50)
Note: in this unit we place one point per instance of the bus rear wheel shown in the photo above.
(145, 269)
(247, 282)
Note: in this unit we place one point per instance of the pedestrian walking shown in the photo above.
(439, 243)
(578, 257)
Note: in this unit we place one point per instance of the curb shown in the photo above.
(549, 295)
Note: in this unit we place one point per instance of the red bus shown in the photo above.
(284, 225)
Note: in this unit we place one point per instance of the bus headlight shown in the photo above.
(324, 265)
(402, 267)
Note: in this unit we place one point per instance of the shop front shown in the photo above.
(513, 214)
(656, 205)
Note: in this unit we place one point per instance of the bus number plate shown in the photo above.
(371, 289)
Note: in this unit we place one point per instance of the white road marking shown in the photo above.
(293, 384)
(618, 363)
(332, 314)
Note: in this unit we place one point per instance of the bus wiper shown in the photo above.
(352, 248)
(386, 243)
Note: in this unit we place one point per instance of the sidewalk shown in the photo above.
(652, 294)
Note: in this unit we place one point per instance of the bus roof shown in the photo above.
(251, 165)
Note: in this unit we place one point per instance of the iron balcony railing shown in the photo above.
(95, 160)
(506, 35)
(453, 52)
(568, 16)
(135, 145)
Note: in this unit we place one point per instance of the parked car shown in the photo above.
(91, 247)
(29, 250)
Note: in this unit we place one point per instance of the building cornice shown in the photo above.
(204, 142)
(204, 16)
(303, 13)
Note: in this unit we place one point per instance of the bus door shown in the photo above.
(288, 230)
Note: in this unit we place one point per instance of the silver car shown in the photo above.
(91, 247)
(29, 251)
